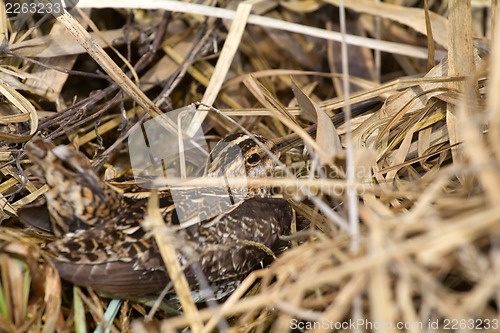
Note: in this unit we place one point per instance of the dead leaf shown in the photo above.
(327, 137)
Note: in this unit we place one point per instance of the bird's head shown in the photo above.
(239, 155)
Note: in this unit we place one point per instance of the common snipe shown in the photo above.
(102, 244)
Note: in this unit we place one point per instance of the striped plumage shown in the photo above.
(77, 199)
(102, 245)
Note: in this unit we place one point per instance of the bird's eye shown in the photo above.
(253, 159)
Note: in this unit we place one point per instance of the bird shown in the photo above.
(100, 242)
(99, 239)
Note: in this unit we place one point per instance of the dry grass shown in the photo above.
(407, 234)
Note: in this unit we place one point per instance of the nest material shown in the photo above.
(425, 246)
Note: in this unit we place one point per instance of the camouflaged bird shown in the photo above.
(101, 243)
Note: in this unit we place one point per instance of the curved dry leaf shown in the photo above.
(408, 108)
(327, 137)
(304, 113)
(416, 97)
(22, 104)
(14, 118)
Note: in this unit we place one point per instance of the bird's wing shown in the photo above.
(117, 257)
